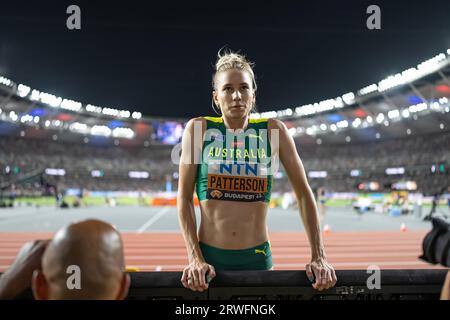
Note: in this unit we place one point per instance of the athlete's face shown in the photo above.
(234, 93)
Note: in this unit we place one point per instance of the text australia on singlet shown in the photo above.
(234, 173)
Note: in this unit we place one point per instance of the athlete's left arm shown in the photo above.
(287, 153)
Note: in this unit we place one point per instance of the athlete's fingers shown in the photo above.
(330, 279)
(323, 275)
(333, 276)
(309, 272)
(196, 279)
(202, 278)
(190, 280)
(184, 281)
(211, 274)
(317, 284)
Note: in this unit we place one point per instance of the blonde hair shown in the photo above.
(233, 60)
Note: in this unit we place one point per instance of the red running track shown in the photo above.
(345, 250)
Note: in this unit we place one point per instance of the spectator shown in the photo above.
(93, 246)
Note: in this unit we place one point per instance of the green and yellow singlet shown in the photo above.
(235, 167)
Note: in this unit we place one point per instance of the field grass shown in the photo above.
(130, 201)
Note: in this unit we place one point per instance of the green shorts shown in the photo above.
(256, 258)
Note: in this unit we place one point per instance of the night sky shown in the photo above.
(158, 59)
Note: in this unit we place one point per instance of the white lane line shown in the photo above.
(153, 219)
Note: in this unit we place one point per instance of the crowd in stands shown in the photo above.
(416, 154)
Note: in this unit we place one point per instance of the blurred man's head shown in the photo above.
(83, 261)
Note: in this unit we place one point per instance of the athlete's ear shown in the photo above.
(215, 99)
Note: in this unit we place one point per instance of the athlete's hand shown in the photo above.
(17, 278)
(195, 274)
(323, 272)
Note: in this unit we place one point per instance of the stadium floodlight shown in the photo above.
(418, 107)
(284, 113)
(405, 113)
(47, 123)
(126, 133)
(136, 115)
(394, 171)
(342, 124)
(138, 174)
(443, 100)
(442, 126)
(393, 114)
(368, 89)
(355, 173)
(377, 135)
(386, 123)
(435, 106)
(97, 173)
(26, 118)
(356, 123)
(269, 114)
(319, 141)
(1, 111)
(447, 109)
(317, 174)
(305, 110)
(369, 119)
(5, 81)
(448, 52)
(55, 172)
(309, 131)
(124, 113)
(36, 119)
(35, 94)
(50, 99)
(380, 118)
(23, 90)
(348, 139)
(349, 98)
(110, 112)
(390, 82)
(71, 105)
(432, 64)
(254, 115)
(292, 131)
(333, 127)
(101, 131)
(13, 116)
(323, 127)
(79, 127)
(408, 131)
(91, 108)
(300, 130)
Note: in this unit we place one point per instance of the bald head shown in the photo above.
(85, 261)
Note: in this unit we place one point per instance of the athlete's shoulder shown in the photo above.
(276, 124)
(191, 122)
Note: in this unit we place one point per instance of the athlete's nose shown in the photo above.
(236, 95)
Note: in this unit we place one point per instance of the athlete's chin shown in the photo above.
(237, 112)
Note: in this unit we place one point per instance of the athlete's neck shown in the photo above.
(235, 123)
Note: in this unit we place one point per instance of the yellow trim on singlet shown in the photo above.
(220, 120)
(214, 119)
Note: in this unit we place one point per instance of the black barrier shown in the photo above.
(292, 285)
(289, 285)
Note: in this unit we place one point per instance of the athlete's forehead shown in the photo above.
(233, 77)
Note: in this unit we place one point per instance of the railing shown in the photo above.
(288, 285)
(292, 285)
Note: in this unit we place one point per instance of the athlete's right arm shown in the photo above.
(195, 273)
